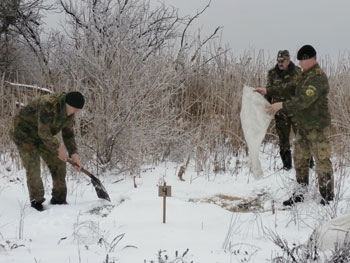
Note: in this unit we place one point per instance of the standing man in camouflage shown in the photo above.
(281, 82)
(33, 131)
(309, 107)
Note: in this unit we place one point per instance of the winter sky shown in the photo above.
(271, 25)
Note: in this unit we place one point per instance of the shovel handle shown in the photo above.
(100, 189)
(81, 169)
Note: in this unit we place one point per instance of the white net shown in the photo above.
(255, 121)
(334, 232)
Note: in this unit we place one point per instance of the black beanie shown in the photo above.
(306, 52)
(75, 99)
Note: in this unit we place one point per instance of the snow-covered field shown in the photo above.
(130, 228)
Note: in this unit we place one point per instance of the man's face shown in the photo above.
(71, 110)
(302, 64)
(306, 64)
(283, 63)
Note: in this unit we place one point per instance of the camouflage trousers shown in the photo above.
(314, 143)
(284, 125)
(30, 155)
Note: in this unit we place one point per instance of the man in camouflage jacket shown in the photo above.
(281, 82)
(310, 112)
(34, 132)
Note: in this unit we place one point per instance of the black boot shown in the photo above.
(326, 201)
(327, 189)
(312, 163)
(286, 157)
(54, 201)
(295, 198)
(37, 206)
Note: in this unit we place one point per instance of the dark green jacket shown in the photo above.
(281, 84)
(309, 107)
(39, 122)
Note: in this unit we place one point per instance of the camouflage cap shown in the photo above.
(282, 55)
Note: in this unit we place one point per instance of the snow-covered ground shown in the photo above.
(130, 228)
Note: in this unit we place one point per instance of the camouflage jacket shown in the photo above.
(309, 107)
(41, 120)
(281, 83)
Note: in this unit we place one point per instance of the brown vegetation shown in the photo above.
(150, 99)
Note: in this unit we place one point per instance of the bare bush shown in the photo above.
(309, 252)
(120, 56)
(20, 35)
(340, 109)
(152, 91)
(212, 102)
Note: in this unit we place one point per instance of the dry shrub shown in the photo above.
(165, 113)
(212, 102)
(339, 98)
(149, 102)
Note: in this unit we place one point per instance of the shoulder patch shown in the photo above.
(310, 91)
(318, 71)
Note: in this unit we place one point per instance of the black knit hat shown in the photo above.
(75, 99)
(306, 52)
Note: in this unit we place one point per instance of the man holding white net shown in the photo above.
(280, 86)
(309, 108)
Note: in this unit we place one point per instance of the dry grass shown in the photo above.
(165, 113)
(235, 203)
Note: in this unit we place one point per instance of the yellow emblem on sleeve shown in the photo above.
(310, 91)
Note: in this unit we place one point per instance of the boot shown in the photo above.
(54, 201)
(326, 201)
(37, 206)
(295, 198)
(312, 163)
(327, 189)
(286, 157)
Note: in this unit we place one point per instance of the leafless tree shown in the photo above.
(20, 27)
(121, 54)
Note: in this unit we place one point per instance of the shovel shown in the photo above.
(100, 190)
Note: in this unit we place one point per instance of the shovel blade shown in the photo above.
(100, 190)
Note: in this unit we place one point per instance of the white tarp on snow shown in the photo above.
(255, 121)
(333, 232)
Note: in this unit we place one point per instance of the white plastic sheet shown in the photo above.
(255, 121)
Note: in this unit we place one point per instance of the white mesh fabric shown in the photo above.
(255, 121)
(333, 232)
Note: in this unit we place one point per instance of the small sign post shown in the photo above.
(164, 191)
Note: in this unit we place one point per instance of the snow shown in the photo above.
(130, 228)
